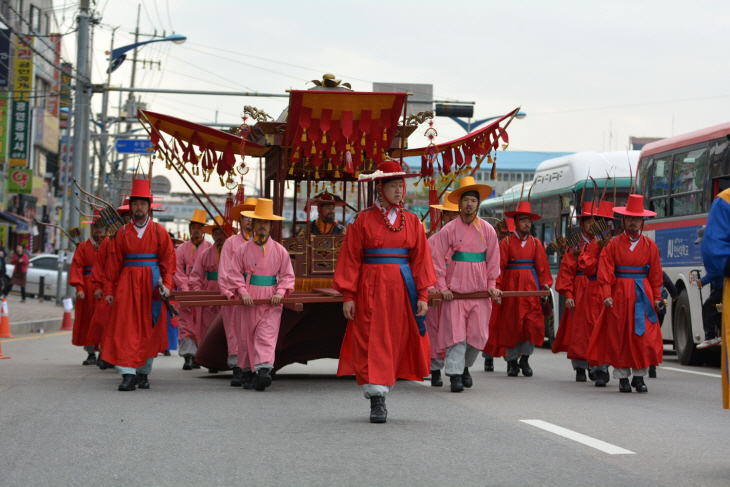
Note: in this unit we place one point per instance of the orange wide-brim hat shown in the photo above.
(264, 211)
(248, 205)
(634, 207)
(199, 216)
(468, 183)
(219, 223)
(448, 205)
(523, 208)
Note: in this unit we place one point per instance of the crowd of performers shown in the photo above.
(386, 269)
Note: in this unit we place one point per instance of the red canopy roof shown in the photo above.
(334, 122)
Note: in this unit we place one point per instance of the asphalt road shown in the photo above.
(64, 424)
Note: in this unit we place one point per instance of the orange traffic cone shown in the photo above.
(5, 321)
(68, 323)
(1, 353)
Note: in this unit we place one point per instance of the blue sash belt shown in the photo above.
(400, 257)
(590, 278)
(643, 305)
(87, 270)
(151, 261)
(527, 264)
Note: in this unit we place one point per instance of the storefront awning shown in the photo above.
(22, 225)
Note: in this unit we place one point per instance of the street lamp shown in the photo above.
(118, 56)
(470, 125)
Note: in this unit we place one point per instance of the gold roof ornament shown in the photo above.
(329, 81)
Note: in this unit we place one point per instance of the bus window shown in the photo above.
(688, 182)
(657, 185)
(719, 168)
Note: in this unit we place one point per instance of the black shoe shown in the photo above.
(652, 371)
(103, 364)
(456, 383)
(262, 380)
(167, 353)
(188, 365)
(90, 360)
(488, 365)
(212, 371)
(436, 379)
(142, 381)
(247, 379)
(237, 380)
(378, 413)
(128, 382)
(525, 366)
(272, 373)
(580, 375)
(623, 385)
(592, 375)
(195, 366)
(601, 378)
(638, 384)
(513, 370)
(466, 378)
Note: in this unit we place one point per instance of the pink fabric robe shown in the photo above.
(433, 317)
(231, 313)
(206, 266)
(189, 318)
(466, 319)
(260, 324)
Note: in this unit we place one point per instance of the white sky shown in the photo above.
(588, 73)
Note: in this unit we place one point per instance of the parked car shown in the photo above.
(45, 265)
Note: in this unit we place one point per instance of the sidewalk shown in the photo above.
(31, 316)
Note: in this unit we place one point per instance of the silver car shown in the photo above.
(45, 265)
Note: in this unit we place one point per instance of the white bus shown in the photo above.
(680, 177)
(566, 176)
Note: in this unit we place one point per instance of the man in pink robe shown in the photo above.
(472, 244)
(449, 211)
(205, 273)
(189, 318)
(230, 313)
(260, 269)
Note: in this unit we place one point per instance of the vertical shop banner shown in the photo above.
(19, 145)
(4, 58)
(54, 97)
(4, 105)
(65, 98)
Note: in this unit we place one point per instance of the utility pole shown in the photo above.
(104, 117)
(130, 100)
(81, 103)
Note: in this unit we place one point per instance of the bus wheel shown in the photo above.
(683, 343)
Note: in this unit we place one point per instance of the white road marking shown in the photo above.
(580, 438)
(691, 372)
(422, 382)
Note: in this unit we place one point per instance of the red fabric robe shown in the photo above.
(80, 278)
(614, 340)
(102, 309)
(572, 337)
(131, 337)
(382, 343)
(586, 316)
(519, 319)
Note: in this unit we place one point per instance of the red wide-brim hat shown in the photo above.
(388, 169)
(523, 208)
(634, 207)
(604, 210)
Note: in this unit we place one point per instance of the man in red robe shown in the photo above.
(627, 335)
(141, 256)
(384, 270)
(98, 276)
(571, 284)
(231, 313)
(79, 277)
(520, 324)
(187, 254)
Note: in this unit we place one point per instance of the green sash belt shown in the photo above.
(263, 280)
(469, 257)
(211, 276)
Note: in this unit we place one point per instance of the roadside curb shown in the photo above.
(48, 325)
